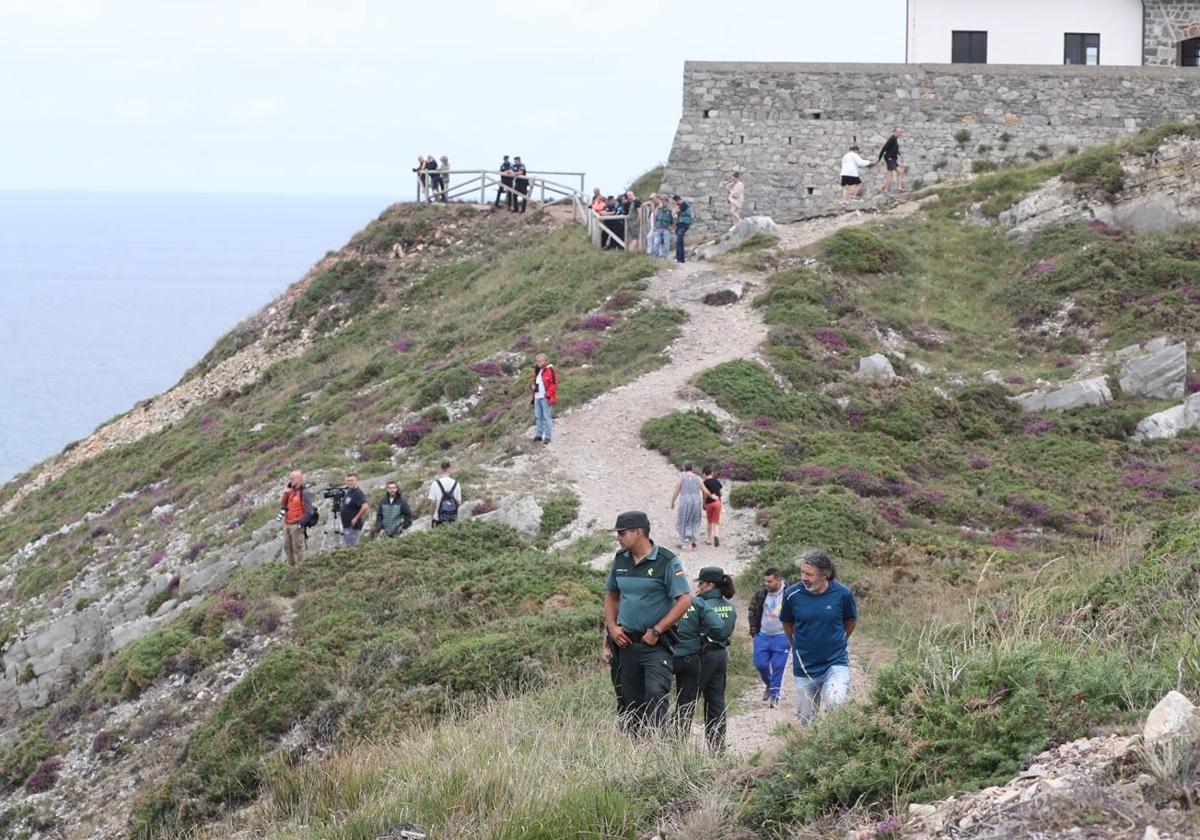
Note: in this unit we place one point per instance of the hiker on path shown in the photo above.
(544, 398)
(737, 194)
(715, 588)
(852, 162)
(354, 511)
(445, 497)
(506, 180)
(770, 641)
(688, 492)
(645, 596)
(699, 622)
(295, 510)
(713, 507)
(393, 516)
(683, 221)
(818, 616)
(890, 155)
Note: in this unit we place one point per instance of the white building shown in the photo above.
(1111, 32)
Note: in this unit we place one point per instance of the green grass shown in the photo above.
(415, 344)
(648, 182)
(557, 513)
(388, 637)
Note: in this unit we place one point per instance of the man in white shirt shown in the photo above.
(445, 497)
(851, 182)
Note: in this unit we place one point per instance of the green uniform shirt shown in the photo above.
(700, 619)
(648, 589)
(725, 611)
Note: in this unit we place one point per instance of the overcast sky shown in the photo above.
(287, 96)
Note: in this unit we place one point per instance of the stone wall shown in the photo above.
(1167, 22)
(786, 126)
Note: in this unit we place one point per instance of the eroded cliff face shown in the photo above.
(1158, 192)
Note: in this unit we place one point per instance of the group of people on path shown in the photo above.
(698, 497)
(434, 179)
(853, 164)
(659, 632)
(393, 514)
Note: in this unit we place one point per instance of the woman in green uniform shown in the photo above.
(697, 623)
(715, 591)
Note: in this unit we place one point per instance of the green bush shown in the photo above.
(858, 251)
(1098, 167)
(349, 281)
(939, 723)
(748, 390)
(134, 669)
(759, 494)
(684, 436)
(557, 513)
(831, 521)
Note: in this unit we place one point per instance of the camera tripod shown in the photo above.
(333, 525)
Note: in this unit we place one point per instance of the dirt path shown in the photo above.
(598, 448)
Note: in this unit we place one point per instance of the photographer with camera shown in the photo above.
(354, 509)
(296, 514)
(393, 515)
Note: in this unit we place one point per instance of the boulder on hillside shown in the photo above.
(876, 368)
(747, 228)
(1165, 425)
(1143, 349)
(1173, 716)
(523, 514)
(1083, 392)
(1160, 375)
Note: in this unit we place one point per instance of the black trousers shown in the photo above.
(614, 672)
(503, 193)
(645, 688)
(687, 689)
(521, 185)
(714, 665)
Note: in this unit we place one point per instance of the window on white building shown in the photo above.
(968, 47)
(1081, 48)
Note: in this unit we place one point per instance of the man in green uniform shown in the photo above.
(646, 595)
(715, 589)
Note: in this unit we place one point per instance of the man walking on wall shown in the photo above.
(890, 155)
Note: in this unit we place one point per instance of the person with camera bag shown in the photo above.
(297, 513)
(445, 496)
(353, 503)
(393, 515)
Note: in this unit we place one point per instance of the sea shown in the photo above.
(108, 298)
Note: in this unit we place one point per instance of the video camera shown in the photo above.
(337, 494)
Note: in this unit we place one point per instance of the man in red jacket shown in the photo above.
(545, 396)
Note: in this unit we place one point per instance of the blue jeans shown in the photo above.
(680, 232)
(816, 693)
(660, 243)
(351, 536)
(544, 414)
(771, 659)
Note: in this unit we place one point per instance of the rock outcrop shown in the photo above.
(737, 235)
(1167, 424)
(1173, 717)
(876, 368)
(1159, 375)
(1079, 394)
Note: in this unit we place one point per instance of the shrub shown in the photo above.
(349, 281)
(830, 521)
(44, 776)
(136, 667)
(858, 251)
(1098, 167)
(684, 435)
(758, 494)
(557, 513)
(962, 137)
(747, 389)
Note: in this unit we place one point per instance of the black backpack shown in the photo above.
(448, 506)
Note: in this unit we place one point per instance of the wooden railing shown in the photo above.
(541, 189)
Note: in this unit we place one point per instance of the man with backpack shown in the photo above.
(445, 496)
(298, 514)
(393, 515)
